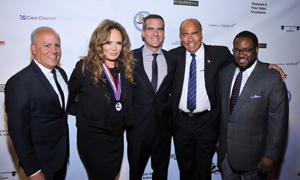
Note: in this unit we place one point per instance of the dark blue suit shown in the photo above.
(36, 122)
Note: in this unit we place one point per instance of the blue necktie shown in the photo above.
(191, 98)
(236, 90)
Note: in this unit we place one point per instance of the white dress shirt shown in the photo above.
(61, 81)
(246, 75)
(202, 100)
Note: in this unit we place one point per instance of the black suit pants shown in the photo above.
(140, 150)
(58, 175)
(195, 139)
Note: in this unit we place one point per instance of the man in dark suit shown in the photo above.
(194, 101)
(254, 113)
(35, 101)
(151, 135)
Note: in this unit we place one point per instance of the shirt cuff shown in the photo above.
(36, 173)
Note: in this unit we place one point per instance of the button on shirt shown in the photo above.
(246, 75)
(202, 101)
(162, 67)
(61, 81)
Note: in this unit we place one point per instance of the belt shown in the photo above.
(190, 114)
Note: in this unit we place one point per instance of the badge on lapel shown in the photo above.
(255, 97)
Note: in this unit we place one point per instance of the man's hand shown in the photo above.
(38, 176)
(279, 69)
(266, 165)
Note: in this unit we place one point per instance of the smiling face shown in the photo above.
(154, 34)
(191, 35)
(112, 48)
(46, 48)
(244, 51)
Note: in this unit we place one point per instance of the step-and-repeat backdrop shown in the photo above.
(276, 23)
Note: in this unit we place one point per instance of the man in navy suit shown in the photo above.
(254, 113)
(35, 101)
(194, 101)
(151, 135)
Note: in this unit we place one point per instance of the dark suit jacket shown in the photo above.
(152, 110)
(257, 125)
(36, 122)
(93, 105)
(215, 57)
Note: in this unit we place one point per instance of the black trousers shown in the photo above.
(195, 139)
(58, 175)
(140, 149)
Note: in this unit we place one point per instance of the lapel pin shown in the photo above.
(208, 61)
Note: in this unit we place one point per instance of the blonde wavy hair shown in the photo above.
(95, 58)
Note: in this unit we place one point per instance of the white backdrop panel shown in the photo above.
(275, 22)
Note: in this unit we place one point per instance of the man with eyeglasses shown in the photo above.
(194, 101)
(254, 113)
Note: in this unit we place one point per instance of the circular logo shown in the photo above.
(139, 19)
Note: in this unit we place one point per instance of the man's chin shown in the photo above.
(242, 66)
(191, 50)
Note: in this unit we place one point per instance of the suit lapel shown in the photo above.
(248, 88)
(63, 74)
(227, 80)
(207, 62)
(167, 77)
(140, 69)
(125, 87)
(179, 77)
(209, 70)
(44, 81)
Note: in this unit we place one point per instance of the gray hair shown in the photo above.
(40, 29)
(191, 20)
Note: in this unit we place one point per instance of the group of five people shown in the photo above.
(188, 92)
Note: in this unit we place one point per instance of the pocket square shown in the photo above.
(255, 97)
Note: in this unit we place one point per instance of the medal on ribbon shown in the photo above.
(116, 88)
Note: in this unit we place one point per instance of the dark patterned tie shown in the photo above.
(236, 90)
(59, 88)
(191, 98)
(154, 72)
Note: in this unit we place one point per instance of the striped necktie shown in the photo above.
(191, 98)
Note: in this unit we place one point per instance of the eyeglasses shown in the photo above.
(244, 51)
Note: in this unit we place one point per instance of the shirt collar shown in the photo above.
(148, 52)
(198, 53)
(43, 68)
(251, 68)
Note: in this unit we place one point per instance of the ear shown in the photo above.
(143, 33)
(256, 50)
(33, 49)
